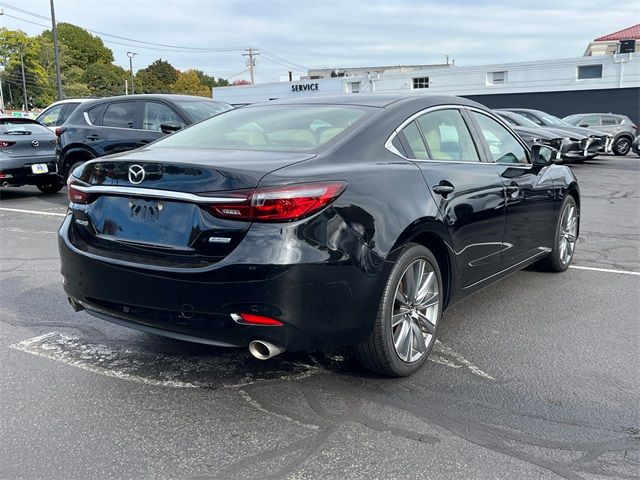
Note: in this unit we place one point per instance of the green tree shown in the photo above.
(158, 77)
(104, 79)
(12, 44)
(211, 81)
(78, 47)
(188, 83)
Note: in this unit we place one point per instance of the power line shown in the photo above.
(173, 47)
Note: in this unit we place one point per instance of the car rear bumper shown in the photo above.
(17, 171)
(326, 296)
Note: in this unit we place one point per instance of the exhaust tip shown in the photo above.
(263, 350)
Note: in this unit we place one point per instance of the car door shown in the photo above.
(530, 195)
(120, 130)
(154, 115)
(469, 193)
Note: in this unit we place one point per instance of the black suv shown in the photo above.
(116, 124)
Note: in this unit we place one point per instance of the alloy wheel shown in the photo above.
(415, 311)
(568, 233)
(623, 146)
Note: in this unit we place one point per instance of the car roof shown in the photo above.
(70, 100)
(511, 109)
(151, 96)
(379, 101)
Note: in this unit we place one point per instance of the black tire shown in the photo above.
(51, 187)
(554, 262)
(377, 352)
(622, 146)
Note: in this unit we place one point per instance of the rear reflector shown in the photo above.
(252, 319)
(4, 144)
(280, 204)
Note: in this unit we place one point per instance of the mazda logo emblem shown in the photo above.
(136, 174)
(35, 143)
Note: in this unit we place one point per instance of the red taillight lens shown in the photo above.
(60, 130)
(4, 144)
(280, 204)
(75, 195)
(252, 319)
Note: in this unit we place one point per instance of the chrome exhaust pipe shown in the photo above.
(5, 184)
(263, 350)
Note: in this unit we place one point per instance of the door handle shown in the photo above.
(93, 137)
(444, 188)
(513, 191)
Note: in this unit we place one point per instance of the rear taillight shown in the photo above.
(252, 319)
(75, 195)
(60, 130)
(279, 204)
(4, 144)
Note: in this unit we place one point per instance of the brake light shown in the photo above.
(60, 130)
(280, 204)
(4, 144)
(252, 319)
(75, 195)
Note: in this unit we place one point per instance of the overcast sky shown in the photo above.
(327, 33)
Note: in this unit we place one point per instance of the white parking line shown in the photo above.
(35, 212)
(605, 270)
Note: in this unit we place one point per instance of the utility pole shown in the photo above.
(54, 30)
(24, 83)
(251, 62)
(131, 55)
(1, 96)
(126, 87)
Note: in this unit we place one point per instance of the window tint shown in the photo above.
(69, 109)
(415, 142)
(609, 120)
(447, 136)
(200, 110)
(50, 117)
(590, 120)
(95, 114)
(22, 126)
(155, 114)
(502, 144)
(121, 115)
(269, 127)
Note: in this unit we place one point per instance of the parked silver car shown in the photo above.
(620, 126)
(28, 155)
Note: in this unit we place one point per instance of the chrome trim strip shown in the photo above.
(153, 193)
(516, 267)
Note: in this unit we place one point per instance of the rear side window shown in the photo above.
(95, 114)
(609, 120)
(447, 136)
(502, 144)
(156, 114)
(417, 147)
(590, 120)
(295, 128)
(120, 115)
(528, 116)
(68, 110)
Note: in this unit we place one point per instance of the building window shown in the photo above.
(421, 82)
(496, 78)
(355, 87)
(589, 71)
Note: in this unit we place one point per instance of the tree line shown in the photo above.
(86, 67)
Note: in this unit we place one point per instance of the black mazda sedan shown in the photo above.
(313, 224)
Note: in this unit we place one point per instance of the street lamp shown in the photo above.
(131, 55)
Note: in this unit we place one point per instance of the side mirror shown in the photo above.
(170, 127)
(542, 155)
(584, 125)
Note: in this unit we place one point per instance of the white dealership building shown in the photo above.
(594, 82)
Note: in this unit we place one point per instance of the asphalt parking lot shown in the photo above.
(534, 377)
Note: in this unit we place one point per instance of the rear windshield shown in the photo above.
(294, 128)
(202, 110)
(21, 126)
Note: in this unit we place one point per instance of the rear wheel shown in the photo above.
(407, 321)
(622, 146)
(51, 187)
(566, 236)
